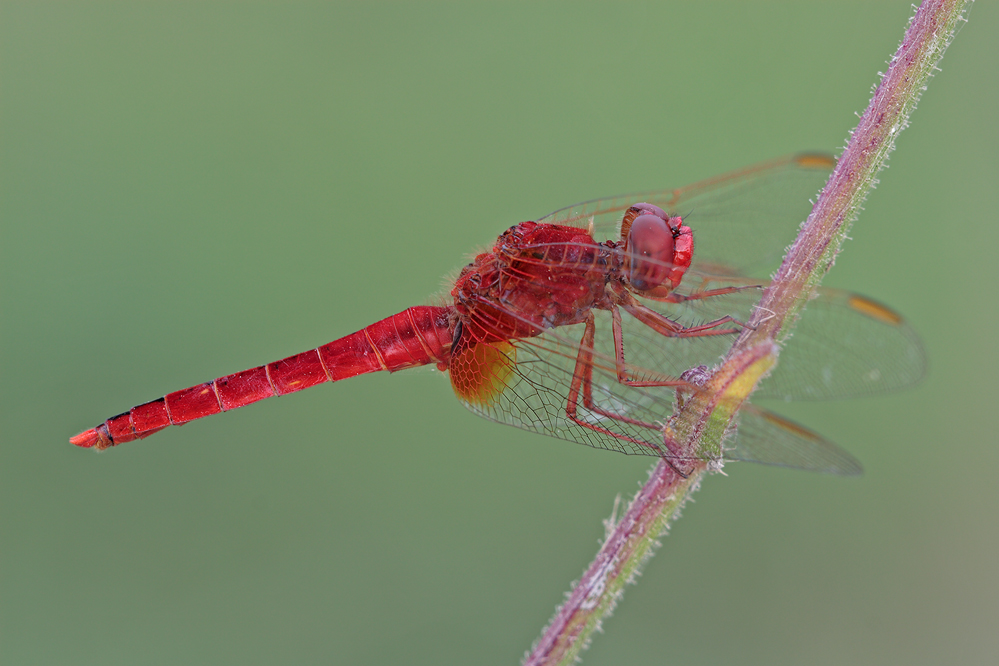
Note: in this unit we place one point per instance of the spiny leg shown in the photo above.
(582, 378)
(663, 325)
(666, 294)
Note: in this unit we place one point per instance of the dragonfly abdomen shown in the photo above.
(417, 336)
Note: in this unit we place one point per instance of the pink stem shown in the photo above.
(632, 540)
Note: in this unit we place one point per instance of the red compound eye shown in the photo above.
(651, 244)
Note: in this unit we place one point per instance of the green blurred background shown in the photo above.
(190, 189)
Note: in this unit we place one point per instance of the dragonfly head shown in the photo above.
(659, 247)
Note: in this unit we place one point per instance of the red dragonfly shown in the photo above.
(596, 341)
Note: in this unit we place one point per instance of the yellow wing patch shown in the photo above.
(480, 371)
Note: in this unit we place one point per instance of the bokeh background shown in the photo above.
(191, 189)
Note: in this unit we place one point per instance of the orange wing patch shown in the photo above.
(480, 371)
(874, 310)
(815, 161)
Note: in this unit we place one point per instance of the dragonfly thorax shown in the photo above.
(537, 277)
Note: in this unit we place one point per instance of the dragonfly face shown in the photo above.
(659, 248)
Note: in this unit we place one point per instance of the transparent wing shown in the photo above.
(845, 345)
(532, 384)
(557, 384)
(764, 437)
(742, 219)
(530, 381)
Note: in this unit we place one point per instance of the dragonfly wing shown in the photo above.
(528, 383)
(553, 384)
(764, 437)
(846, 345)
(742, 219)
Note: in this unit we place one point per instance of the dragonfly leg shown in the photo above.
(674, 297)
(664, 326)
(623, 374)
(687, 381)
(666, 294)
(582, 382)
(674, 329)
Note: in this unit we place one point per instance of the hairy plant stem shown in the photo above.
(701, 423)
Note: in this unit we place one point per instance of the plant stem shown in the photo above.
(701, 424)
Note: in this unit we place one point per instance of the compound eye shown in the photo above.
(651, 245)
(649, 209)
